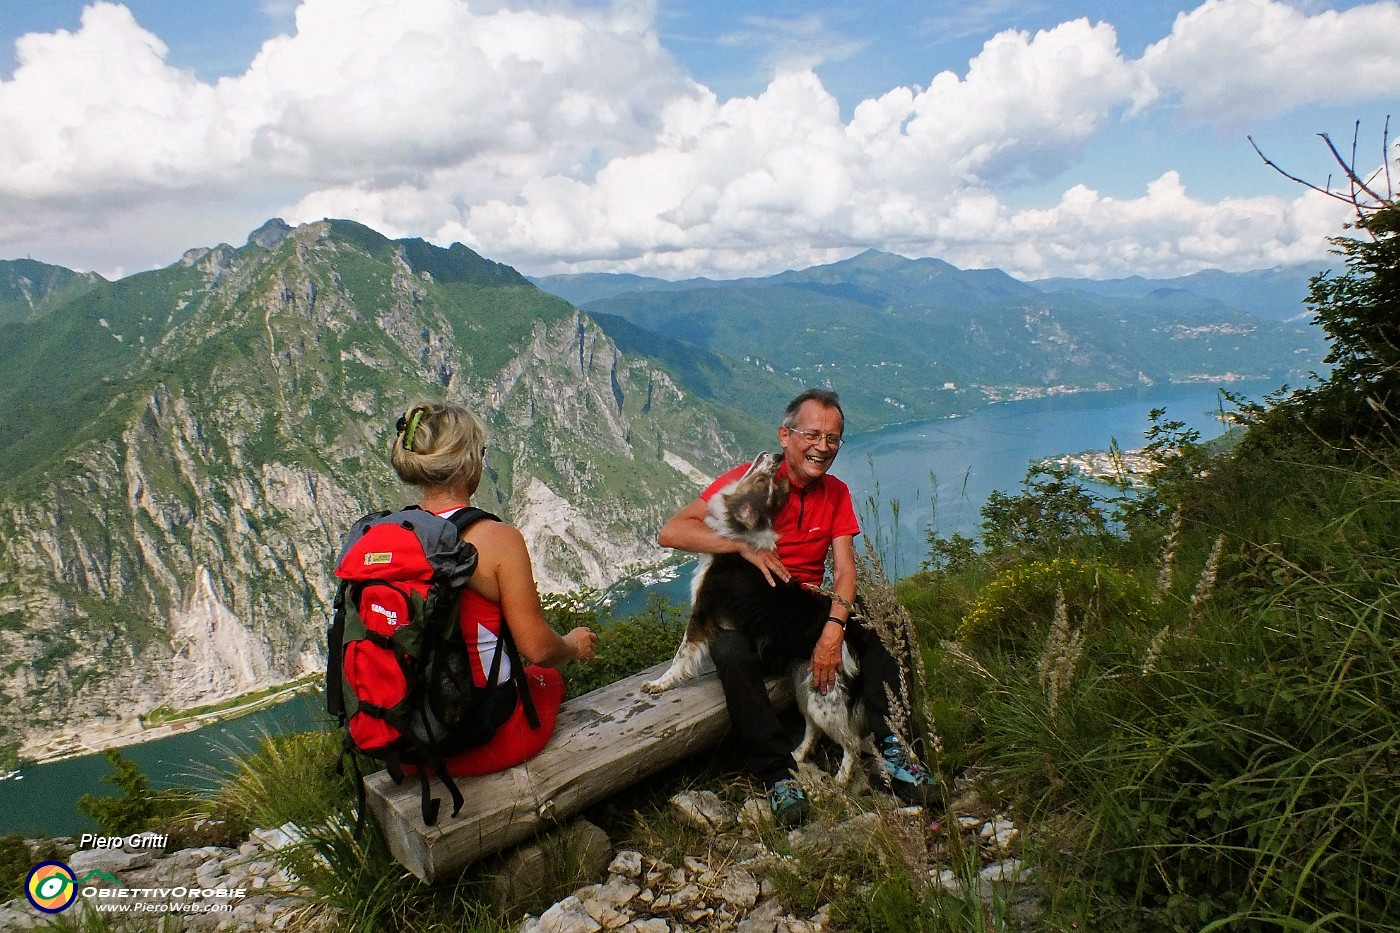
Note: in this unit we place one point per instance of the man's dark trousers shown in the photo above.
(767, 748)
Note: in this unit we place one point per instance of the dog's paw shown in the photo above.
(653, 686)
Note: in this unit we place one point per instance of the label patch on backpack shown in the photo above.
(379, 557)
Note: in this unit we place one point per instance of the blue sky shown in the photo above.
(667, 138)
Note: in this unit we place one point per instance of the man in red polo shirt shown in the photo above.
(818, 517)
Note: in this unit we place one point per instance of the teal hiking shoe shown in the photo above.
(909, 779)
(788, 802)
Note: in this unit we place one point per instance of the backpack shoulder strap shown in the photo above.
(335, 640)
(465, 518)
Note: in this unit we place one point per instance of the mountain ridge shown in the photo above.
(909, 338)
(1238, 289)
(166, 530)
(1274, 294)
(29, 288)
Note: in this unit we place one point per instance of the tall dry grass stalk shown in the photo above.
(1060, 659)
(892, 622)
(959, 655)
(1168, 564)
(1206, 583)
(880, 611)
(1154, 650)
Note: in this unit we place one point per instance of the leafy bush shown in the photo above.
(1054, 513)
(137, 807)
(17, 858)
(631, 645)
(1360, 311)
(565, 611)
(1019, 605)
(953, 554)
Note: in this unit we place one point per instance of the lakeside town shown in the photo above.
(1106, 466)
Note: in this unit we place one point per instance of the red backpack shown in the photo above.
(398, 674)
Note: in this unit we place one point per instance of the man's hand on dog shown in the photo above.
(826, 658)
(767, 562)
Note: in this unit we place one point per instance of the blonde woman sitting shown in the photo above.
(439, 450)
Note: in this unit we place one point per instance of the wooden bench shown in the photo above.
(605, 741)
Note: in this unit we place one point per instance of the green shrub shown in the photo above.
(17, 859)
(1360, 311)
(953, 554)
(137, 807)
(566, 611)
(290, 778)
(1054, 514)
(1018, 605)
(631, 645)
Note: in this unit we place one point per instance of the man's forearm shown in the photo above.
(696, 537)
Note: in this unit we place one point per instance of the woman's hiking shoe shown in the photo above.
(909, 780)
(788, 802)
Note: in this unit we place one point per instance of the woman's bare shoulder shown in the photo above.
(497, 534)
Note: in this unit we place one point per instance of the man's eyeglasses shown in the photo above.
(833, 440)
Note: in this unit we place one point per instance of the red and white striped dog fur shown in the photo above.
(784, 621)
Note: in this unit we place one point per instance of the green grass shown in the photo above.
(1219, 750)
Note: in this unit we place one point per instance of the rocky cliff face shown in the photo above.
(175, 549)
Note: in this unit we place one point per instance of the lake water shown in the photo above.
(968, 458)
(43, 802)
(941, 472)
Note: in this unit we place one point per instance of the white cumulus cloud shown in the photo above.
(1168, 232)
(561, 138)
(1028, 105)
(1228, 61)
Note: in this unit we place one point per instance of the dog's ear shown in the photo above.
(744, 514)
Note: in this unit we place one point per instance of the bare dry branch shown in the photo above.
(1294, 178)
(1350, 167)
(1385, 154)
(1364, 193)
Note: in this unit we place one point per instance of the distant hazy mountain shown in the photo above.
(905, 339)
(181, 450)
(581, 288)
(1273, 294)
(871, 275)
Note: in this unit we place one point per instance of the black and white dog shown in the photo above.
(784, 621)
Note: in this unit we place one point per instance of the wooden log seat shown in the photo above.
(604, 742)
